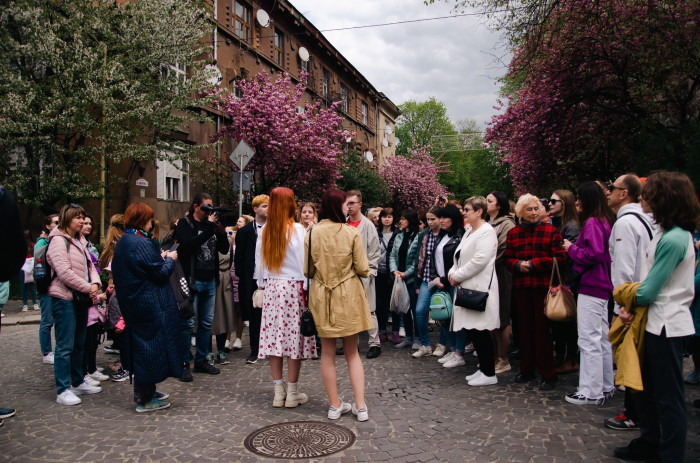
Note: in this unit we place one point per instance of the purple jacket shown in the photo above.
(591, 258)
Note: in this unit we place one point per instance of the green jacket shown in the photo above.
(411, 257)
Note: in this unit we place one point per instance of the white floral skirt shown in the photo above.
(281, 318)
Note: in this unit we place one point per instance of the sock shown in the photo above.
(277, 381)
(291, 384)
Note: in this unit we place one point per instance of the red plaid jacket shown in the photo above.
(540, 245)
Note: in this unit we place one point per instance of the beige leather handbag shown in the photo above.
(258, 298)
(560, 304)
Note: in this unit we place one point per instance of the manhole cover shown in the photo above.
(299, 439)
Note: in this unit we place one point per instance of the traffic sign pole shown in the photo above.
(241, 156)
(240, 191)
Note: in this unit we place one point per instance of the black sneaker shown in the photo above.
(522, 378)
(206, 367)
(548, 385)
(186, 374)
(252, 359)
(622, 423)
(7, 413)
(637, 450)
(374, 352)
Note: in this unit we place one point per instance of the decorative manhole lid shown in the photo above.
(299, 439)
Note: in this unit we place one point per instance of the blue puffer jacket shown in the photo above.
(153, 333)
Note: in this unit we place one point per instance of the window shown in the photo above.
(364, 113)
(344, 98)
(241, 20)
(387, 128)
(278, 47)
(178, 71)
(173, 179)
(304, 67)
(326, 82)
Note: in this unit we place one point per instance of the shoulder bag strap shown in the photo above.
(644, 222)
(308, 272)
(555, 268)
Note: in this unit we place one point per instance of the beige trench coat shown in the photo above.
(224, 310)
(337, 297)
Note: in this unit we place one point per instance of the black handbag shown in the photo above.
(81, 301)
(182, 289)
(308, 326)
(470, 298)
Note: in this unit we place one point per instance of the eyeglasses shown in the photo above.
(352, 203)
(554, 201)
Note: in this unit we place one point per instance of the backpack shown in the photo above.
(440, 306)
(42, 269)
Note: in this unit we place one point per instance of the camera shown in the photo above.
(216, 210)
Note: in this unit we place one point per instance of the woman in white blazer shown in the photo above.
(473, 268)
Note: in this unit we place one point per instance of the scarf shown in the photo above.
(139, 232)
(526, 224)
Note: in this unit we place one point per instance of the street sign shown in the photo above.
(242, 154)
(247, 174)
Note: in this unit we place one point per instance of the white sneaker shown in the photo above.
(100, 369)
(402, 333)
(85, 388)
(237, 344)
(334, 413)
(25, 308)
(48, 358)
(424, 351)
(439, 351)
(484, 380)
(361, 414)
(474, 376)
(469, 348)
(36, 307)
(580, 399)
(97, 376)
(446, 358)
(67, 398)
(227, 345)
(92, 382)
(456, 361)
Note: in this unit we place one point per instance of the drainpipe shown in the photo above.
(376, 128)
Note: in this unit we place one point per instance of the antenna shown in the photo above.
(263, 18)
(304, 54)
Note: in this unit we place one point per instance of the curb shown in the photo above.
(29, 320)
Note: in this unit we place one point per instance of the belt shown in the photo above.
(329, 313)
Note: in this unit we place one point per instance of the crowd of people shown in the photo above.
(627, 252)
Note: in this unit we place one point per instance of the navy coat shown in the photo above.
(153, 332)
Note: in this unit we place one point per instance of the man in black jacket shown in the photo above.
(200, 236)
(247, 269)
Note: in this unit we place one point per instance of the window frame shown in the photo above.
(304, 67)
(345, 98)
(326, 83)
(278, 46)
(365, 113)
(166, 184)
(180, 72)
(245, 23)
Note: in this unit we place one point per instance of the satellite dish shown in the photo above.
(263, 18)
(396, 142)
(214, 74)
(388, 131)
(304, 54)
(385, 143)
(368, 156)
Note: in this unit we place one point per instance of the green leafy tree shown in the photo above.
(422, 121)
(356, 174)
(87, 78)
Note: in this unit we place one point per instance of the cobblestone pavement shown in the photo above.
(419, 412)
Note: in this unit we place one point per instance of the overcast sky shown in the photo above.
(450, 59)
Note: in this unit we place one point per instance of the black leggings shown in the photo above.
(484, 351)
(384, 283)
(92, 340)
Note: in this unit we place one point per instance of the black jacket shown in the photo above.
(448, 256)
(12, 242)
(191, 242)
(394, 231)
(244, 267)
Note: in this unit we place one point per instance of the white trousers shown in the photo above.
(596, 374)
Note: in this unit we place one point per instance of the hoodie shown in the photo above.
(591, 258)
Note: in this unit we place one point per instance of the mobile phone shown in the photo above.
(174, 248)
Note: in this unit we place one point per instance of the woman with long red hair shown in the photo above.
(282, 276)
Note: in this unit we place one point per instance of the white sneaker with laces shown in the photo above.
(424, 351)
(85, 388)
(610, 394)
(48, 358)
(237, 344)
(402, 333)
(474, 376)
(439, 351)
(97, 376)
(446, 358)
(25, 308)
(335, 413)
(90, 381)
(361, 414)
(227, 345)
(100, 369)
(580, 399)
(67, 398)
(456, 361)
(36, 307)
(469, 348)
(483, 380)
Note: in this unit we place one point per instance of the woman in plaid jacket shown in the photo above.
(531, 248)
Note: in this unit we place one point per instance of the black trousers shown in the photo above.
(663, 419)
(143, 392)
(630, 406)
(565, 335)
(484, 351)
(90, 349)
(384, 283)
(254, 325)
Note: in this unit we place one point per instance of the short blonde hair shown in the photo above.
(523, 202)
(477, 203)
(260, 199)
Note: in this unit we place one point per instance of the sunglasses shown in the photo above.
(613, 188)
(73, 205)
(554, 201)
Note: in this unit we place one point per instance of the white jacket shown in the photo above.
(628, 243)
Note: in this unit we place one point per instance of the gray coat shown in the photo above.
(370, 240)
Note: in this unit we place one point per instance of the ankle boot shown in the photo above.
(294, 397)
(280, 395)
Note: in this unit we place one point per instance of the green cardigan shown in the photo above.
(411, 257)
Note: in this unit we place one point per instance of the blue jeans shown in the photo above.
(69, 328)
(204, 313)
(26, 287)
(46, 324)
(422, 309)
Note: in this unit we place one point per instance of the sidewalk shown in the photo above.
(13, 314)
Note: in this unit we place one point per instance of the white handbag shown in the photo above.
(258, 298)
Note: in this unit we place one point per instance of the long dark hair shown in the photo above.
(332, 206)
(413, 223)
(47, 221)
(594, 203)
(569, 207)
(451, 212)
(503, 204)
